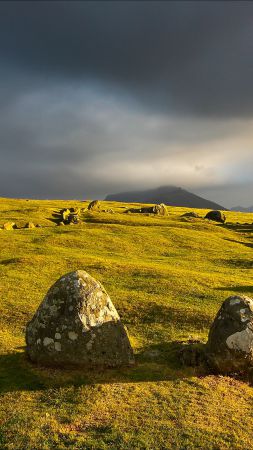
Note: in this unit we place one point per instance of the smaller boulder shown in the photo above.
(230, 340)
(38, 225)
(161, 210)
(216, 216)
(94, 205)
(9, 226)
(60, 224)
(29, 225)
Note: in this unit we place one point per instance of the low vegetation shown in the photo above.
(167, 277)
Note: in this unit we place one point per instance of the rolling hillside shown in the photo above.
(167, 277)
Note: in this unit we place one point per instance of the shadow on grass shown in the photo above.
(246, 244)
(6, 262)
(154, 363)
(238, 263)
(17, 374)
(240, 227)
(239, 289)
(150, 312)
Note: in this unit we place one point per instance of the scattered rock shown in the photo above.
(29, 225)
(160, 210)
(216, 216)
(60, 224)
(66, 216)
(9, 226)
(77, 325)
(94, 205)
(191, 214)
(230, 340)
(38, 225)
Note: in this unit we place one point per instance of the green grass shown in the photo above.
(167, 277)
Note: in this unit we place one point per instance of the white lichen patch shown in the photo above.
(235, 301)
(72, 335)
(241, 341)
(57, 336)
(57, 346)
(47, 341)
(38, 341)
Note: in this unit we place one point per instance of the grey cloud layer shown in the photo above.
(192, 57)
(96, 97)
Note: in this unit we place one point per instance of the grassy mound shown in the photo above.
(167, 277)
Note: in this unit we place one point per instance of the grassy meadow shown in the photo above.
(167, 277)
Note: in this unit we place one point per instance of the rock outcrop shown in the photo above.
(191, 214)
(230, 341)
(29, 225)
(94, 205)
(160, 210)
(9, 226)
(77, 325)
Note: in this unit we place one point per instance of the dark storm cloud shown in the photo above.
(189, 57)
(98, 97)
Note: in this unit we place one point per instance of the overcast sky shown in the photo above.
(100, 97)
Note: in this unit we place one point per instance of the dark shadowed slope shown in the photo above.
(170, 195)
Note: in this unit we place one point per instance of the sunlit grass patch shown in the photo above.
(167, 278)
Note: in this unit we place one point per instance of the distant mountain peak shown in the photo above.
(170, 195)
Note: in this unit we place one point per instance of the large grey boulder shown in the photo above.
(230, 340)
(77, 325)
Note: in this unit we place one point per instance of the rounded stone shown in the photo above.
(230, 340)
(77, 325)
(216, 216)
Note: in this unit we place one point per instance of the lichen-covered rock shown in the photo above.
(216, 216)
(94, 205)
(9, 226)
(77, 325)
(160, 210)
(230, 341)
(29, 225)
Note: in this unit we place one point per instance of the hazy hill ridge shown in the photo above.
(170, 195)
(242, 208)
